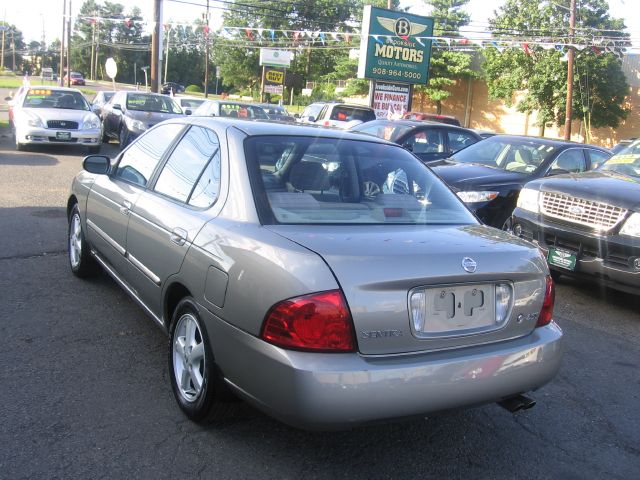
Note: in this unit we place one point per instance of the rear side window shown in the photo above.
(182, 176)
(140, 160)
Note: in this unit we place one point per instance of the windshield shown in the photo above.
(307, 180)
(383, 129)
(46, 98)
(152, 103)
(627, 162)
(509, 154)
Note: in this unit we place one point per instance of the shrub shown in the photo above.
(193, 89)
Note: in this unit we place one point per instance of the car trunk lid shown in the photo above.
(380, 267)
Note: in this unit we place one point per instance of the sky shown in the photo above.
(33, 17)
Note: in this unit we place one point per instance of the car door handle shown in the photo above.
(125, 208)
(178, 236)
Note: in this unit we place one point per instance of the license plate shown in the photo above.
(459, 308)
(63, 135)
(562, 259)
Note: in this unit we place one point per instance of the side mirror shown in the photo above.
(296, 115)
(408, 146)
(311, 119)
(188, 112)
(116, 106)
(98, 164)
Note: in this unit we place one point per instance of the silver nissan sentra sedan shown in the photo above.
(327, 278)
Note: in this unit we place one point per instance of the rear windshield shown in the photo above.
(242, 111)
(383, 129)
(307, 180)
(152, 103)
(347, 114)
(63, 99)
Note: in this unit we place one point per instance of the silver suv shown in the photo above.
(343, 115)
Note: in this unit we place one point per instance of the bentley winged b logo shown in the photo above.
(402, 27)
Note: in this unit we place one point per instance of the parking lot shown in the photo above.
(85, 388)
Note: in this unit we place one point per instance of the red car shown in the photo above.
(76, 79)
(434, 117)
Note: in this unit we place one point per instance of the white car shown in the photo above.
(55, 115)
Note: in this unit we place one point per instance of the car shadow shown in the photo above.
(27, 159)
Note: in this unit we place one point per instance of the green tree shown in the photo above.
(539, 73)
(446, 66)
(12, 33)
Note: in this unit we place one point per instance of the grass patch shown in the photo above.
(16, 82)
(4, 124)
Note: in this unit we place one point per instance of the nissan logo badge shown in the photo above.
(469, 265)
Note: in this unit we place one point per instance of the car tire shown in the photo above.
(94, 150)
(196, 385)
(123, 136)
(507, 226)
(80, 260)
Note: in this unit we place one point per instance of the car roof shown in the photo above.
(259, 127)
(414, 124)
(548, 141)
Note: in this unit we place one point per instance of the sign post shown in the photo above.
(111, 68)
(274, 68)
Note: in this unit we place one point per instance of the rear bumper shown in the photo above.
(333, 391)
(608, 260)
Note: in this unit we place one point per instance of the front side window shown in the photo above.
(425, 141)
(185, 168)
(305, 180)
(141, 158)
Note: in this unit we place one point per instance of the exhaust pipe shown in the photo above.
(516, 403)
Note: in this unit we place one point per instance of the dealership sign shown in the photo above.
(395, 46)
(275, 58)
(391, 100)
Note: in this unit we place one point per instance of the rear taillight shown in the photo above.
(316, 322)
(547, 306)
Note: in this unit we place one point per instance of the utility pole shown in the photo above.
(93, 46)
(13, 48)
(155, 45)
(571, 53)
(62, 37)
(69, 47)
(166, 60)
(4, 27)
(206, 54)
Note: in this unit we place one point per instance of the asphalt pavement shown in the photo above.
(85, 390)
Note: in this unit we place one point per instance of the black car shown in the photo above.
(488, 175)
(169, 87)
(429, 141)
(588, 224)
